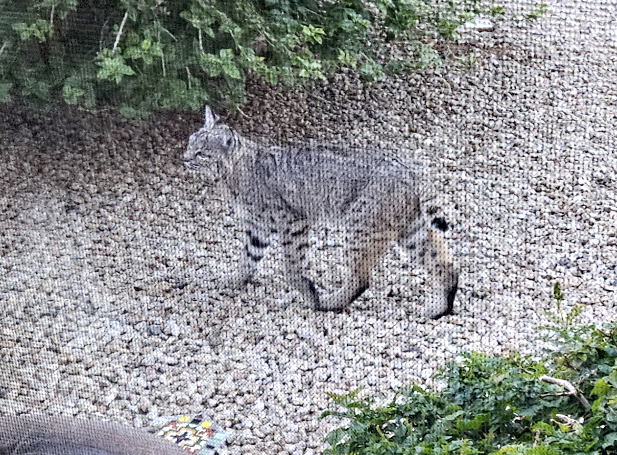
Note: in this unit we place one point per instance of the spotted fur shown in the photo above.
(285, 191)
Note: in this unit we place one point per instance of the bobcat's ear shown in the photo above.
(210, 118)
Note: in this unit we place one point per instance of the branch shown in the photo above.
(242, 112)
(188, 77)
(162, 55)
(570, 390)
(574, 424)
(168, 32)
(51, 19)
(126, 15)
(201, 43)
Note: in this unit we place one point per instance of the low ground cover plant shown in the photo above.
(565, 403)
(145, 55)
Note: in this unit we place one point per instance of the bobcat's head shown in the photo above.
(211, 148)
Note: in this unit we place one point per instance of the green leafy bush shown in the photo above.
(564, 404)
(158, 54)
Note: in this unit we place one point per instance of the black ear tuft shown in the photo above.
(440, 223)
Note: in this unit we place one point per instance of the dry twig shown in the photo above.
(126, 15)
(574, 424)
(51, 19)
(570, 390)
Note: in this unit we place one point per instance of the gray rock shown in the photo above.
(109, 253)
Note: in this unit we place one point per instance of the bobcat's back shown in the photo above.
(322, 180)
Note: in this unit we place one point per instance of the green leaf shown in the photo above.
(112, 67)
(371, 71)
(211, 64)
(601, 388)
(226, 54)
(5, 91)
(22, 30)
(610, 440)
(132, 112)
(37, 89)
(347, 59)
(313, 34)
(231, 70)
(335, 437)
(497, 11)
(283, 41)
(39, 29)
(72, 95)
(539, 11)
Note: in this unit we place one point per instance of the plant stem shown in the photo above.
(168, 32)
(51, 20)
(126, 15)
(242, 112)
(201, 43)
(101, 34)
(158, 37)
(234, 39)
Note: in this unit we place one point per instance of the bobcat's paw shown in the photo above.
(330, 304)
(442, 304)
(440, 301)
(309, 291)
(339, 300)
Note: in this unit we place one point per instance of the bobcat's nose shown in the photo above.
(191, 153)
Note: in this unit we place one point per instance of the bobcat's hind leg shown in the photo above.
(428, 247)
(375, 219)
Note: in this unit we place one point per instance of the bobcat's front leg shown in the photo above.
(256, 241)
(294, 240)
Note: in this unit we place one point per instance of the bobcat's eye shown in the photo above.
(229, 142)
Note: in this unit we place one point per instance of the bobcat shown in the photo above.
(283, 191)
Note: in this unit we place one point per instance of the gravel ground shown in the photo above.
(108, 244)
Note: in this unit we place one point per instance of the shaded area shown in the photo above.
(47, 435)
